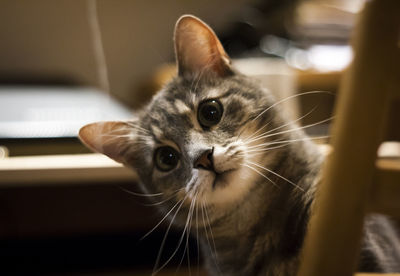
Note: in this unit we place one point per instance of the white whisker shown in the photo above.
(260, 173)
(276, 174)
(165, 237)
(288, 141)
(279, 127)
(266, 135)
(169, 212)
(140, 194)
(197, 238)
(288, 98)
(263, 149)
(165, 200)
(179, 243)
(206, 227)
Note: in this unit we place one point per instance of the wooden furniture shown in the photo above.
(52, 170)
(352, 176)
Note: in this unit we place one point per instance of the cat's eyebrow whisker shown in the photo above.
(247, 140)
(282, 126)
(289, 98)
(292, 130)
(260, 173)
(289, 141)
(247, 126)
(279, 102)
(276, 174)
(166, 234)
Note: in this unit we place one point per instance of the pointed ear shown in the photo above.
(198, 50)
(109, 138)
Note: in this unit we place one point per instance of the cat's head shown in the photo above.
(203, 136)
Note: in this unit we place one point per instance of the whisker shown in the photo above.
(139, 194)
(169, 212)
(282, 126)
(165, 200)
(209, 225)
(289, 141)
(186, 250)
(260, 151)
(197, 238)
(212, 247)
(288, 98)
(266, 135)
(187, 233)
(278, 175)
(260, 173)
(165, 237)
(247, 125)
(179, 243)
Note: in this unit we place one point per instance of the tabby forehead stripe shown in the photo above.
(181, 107)
(157, 132)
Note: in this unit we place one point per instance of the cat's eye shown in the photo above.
(166, 158)
(209, 113)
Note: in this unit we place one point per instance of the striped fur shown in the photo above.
(252, 218)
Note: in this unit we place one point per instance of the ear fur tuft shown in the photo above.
(108, 138)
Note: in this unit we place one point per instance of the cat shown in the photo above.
(218, 154)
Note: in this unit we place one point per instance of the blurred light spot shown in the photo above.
(330, 57)
(298, 58)
(274, 45)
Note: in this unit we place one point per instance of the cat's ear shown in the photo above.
(109, 138)
(198, 50)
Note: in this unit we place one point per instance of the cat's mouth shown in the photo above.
(221, 178)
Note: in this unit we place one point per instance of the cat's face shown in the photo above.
(200, 138)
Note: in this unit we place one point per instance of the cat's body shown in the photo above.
(228, 166)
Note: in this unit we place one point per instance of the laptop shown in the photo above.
(47, 119)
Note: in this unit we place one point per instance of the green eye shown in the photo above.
(166, 158)
(209, 113)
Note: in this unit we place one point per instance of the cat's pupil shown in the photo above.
(166, 158)
(210, 113)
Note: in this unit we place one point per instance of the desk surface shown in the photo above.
(55, 169)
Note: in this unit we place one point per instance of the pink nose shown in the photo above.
(205, 161)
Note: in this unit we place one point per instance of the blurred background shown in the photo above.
(63, 211)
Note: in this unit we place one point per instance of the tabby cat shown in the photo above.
(217, 153)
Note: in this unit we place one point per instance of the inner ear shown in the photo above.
(109, 138)
(198, 50)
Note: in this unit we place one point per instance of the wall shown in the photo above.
(47, 40)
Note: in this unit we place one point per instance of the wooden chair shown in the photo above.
(354, 181)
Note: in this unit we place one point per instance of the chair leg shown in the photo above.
(333, 240)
